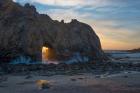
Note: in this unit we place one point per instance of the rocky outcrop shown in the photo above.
(134, 50)
(23, 31)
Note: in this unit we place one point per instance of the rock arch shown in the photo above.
(23, 31)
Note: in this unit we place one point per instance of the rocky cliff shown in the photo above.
(23, 31)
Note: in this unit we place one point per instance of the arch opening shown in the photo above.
(48, 55)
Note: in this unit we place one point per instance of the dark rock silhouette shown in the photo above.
(23, 32)
(135, 50)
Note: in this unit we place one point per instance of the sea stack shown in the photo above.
(24, 32)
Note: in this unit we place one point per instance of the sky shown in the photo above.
(116, 22)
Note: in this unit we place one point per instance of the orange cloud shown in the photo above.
(114, 38)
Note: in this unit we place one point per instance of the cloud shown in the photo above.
(115, 38)
(115, 21)
(67, 15)
(66, 2)
(56, 2)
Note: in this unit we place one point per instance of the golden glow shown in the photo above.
(48, 54)
(122, 43)
(114, 38)
(44, 49)
(40, 83)
(45, 53)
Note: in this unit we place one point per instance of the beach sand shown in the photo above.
(84, 83)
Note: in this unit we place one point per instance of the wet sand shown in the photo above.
(85, 83)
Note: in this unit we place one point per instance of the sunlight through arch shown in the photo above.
(48, 55)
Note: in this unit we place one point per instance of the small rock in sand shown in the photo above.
(81, 78)
(97, 76)
(3, 78)
(28, 77)
(125, 76)
(73, 79)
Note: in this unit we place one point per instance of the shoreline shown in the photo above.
(84, 83)
(64, 69)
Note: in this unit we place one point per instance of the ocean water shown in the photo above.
(122, 56)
